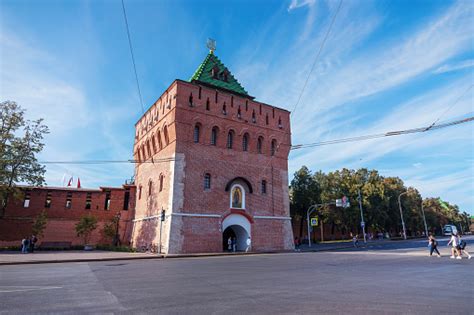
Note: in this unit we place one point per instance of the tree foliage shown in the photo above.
(20, 142)
(110, 228)
(40, 224)
(379, 198)
(86, 225)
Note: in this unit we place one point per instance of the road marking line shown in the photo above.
(25, 288)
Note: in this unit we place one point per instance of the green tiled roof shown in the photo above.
(204, 74)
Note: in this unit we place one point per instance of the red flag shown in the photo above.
(69, 183)
(78, 182)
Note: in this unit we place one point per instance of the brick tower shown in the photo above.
(215, 162)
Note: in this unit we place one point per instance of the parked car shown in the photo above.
(448, 229)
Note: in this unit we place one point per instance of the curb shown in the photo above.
(58, 261)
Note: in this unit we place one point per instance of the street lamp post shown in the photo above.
(424, 218)
(362, 217)
(401, 214)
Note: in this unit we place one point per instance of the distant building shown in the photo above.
(64, 207)
(216, 162)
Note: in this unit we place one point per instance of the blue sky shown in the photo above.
(387, 65)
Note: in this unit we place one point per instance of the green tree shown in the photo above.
(40, 224)
(110, 229)
(304, 192)
(86, 225)
(20, 141)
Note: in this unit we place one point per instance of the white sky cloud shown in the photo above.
(461, 65)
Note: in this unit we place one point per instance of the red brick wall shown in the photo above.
(18, 220)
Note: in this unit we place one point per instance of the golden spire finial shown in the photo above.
(211, 44)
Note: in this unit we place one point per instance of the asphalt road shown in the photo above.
(401, 280)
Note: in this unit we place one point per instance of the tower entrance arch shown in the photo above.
(237, 227)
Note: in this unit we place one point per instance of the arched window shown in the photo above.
(266, 119)
(161, 181)
(150, 187)
(264, 187)
(196, 133)
(214, 132)
(245, 142)
(273, 148)
(191, 100)
(237, 197)
(239, 115)
(230, 139)
(200, 90)
(148, 148)
(254, 120)
(207, 104)
(153, 143)
(167, 140)
(160, 144)
(260, 145)
(207, 181)
(139, 156)
(279, 123)
(246, 105)
(224, 109)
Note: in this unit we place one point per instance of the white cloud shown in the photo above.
(455, 66)
(80, 128)
(295, 4)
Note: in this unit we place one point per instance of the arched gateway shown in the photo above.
(238, 226)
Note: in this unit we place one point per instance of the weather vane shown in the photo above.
(211, 44)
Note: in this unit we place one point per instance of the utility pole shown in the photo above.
(362, 223)
(424, 218)
(162, 218)
(308, 213)
(401, 214)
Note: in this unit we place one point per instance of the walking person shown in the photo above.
(433, 244)
(33, 241)
(234, 244)
(454, 247)
(297, 243)
(24, 246)
(229, 244)
(462, 247)
(355, 240)
(249, 242)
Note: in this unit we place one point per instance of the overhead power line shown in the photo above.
(385, 134)
(133, 58)
(449, 108)
(317, 57)
(295, 147)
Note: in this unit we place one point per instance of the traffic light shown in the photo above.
(163, 215)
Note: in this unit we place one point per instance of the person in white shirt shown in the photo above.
(249, 242)
(454, 247)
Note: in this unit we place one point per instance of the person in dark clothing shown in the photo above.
(33, 241)
(433, 244)
(234, 244)
(297, 243)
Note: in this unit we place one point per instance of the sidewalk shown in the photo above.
(43, 257)
(39, 257)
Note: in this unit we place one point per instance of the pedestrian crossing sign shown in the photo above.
(314, 221)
